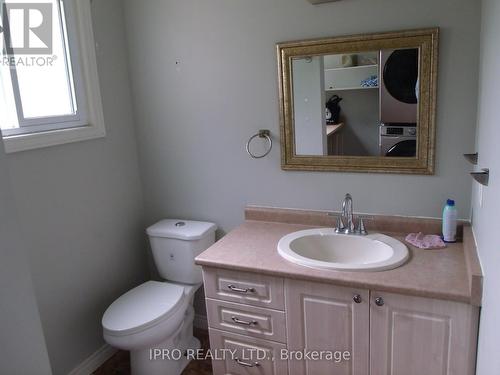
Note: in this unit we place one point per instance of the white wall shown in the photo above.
(81, 210)
(204, 78)
(485, 217)
(23, 350)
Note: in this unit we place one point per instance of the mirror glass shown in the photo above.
(359, 104)
(362, 103)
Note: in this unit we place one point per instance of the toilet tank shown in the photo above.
(175, 244)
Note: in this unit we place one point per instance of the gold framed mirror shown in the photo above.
(359, 103)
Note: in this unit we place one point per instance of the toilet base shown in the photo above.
(167, 357)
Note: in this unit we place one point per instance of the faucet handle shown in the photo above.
(360, 227)
(340, 227)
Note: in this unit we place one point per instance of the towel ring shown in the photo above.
(263, 133)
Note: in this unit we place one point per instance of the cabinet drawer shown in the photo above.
(244, 355)
(247, 320)
(246, 288)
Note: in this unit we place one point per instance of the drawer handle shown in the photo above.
(246, 364)
(240, 290)
(243, 322)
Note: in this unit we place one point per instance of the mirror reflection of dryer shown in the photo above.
(398, 140)
(399, 86)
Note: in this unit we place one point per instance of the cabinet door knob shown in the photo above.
(357, 298)
(379, 301)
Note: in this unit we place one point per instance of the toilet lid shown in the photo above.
(142, 307)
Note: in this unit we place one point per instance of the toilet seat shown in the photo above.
(143, 307)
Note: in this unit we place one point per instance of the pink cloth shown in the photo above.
(422, 241)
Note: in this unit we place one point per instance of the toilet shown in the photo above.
(157, 317)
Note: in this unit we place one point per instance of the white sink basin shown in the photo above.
(323, 248)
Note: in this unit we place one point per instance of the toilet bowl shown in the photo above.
(145, 315)
(151, 319)
(154, 321)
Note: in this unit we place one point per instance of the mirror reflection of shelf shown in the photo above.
(345, 68)
(349, 78)
(333, 128)
(351, 88)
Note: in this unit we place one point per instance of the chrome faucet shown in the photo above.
(347, 215)
(346, 222)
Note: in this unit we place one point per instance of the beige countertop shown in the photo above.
(443, 274)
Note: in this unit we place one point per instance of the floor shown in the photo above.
(119, 364)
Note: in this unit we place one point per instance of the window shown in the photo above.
(49, 91)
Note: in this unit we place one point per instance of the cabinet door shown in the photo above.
(245, 355)
(325, 319)
(416, 336)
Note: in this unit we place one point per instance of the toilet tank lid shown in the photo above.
(181, 229)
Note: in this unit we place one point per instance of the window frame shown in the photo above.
(88, 122)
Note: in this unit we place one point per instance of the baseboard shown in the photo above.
(93, 362)
(200, 321)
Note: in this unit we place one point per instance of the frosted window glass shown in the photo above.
(48, 91)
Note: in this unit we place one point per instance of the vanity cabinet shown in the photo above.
(323, 317)
(384, 333)
(415, 336)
